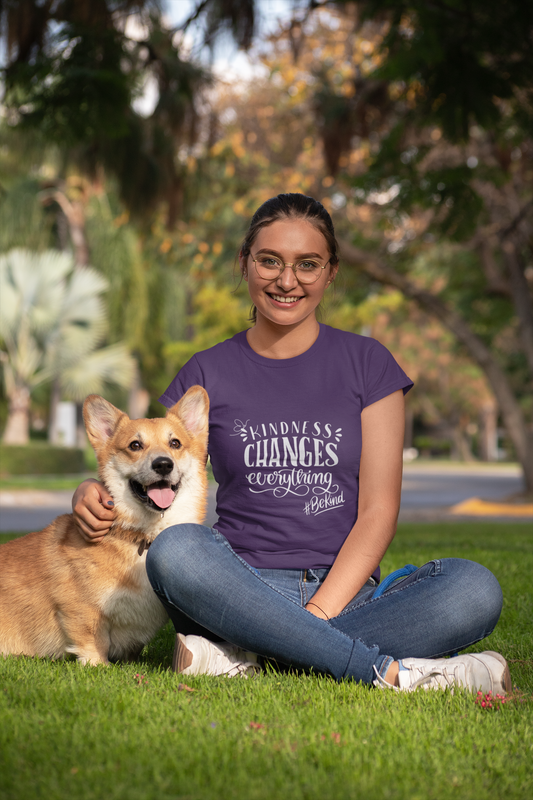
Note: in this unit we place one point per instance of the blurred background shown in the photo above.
(138, 138)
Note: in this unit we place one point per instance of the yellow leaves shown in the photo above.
(203, 247)
(239, 207)
(229, 172)
(236, 141)
(328, 181)
(187, 238)
(218, 148)
(436, 134)
(217, 248)
(122, 219)
(165, 245)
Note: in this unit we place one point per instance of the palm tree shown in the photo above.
(52, 323)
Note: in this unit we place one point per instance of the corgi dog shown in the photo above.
(60, 594)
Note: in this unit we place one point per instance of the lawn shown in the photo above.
(138, 731)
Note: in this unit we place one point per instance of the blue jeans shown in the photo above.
(443, 607)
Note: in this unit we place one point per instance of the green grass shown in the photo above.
(135, 732)
(45, 482)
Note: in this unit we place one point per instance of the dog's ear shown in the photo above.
(193, 410)
(101, 419)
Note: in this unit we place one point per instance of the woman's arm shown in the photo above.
(92, 506)
(380, 481)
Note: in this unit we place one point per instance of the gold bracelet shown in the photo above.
(320, 609)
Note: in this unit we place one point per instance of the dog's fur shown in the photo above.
(60, 594)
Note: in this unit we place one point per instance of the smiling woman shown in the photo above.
(305, 437)
(289, 258)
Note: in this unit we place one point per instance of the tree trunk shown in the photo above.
(511, 411)
(489, 432)
(522, 299)
(55, 397)
(17, 429)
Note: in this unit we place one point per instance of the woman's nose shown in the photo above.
(287, 279)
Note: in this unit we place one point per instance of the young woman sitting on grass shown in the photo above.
(305, 439)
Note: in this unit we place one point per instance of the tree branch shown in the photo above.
(377, 269)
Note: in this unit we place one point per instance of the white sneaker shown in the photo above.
(194, 655)
(487, 672)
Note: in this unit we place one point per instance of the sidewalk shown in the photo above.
(431, 492)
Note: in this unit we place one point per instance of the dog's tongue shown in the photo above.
(161, 497)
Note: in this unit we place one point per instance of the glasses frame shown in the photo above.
(293, 266)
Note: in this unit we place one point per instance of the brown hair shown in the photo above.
(291, 205)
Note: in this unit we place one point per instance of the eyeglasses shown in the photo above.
(271, 267)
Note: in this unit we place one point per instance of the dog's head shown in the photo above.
(147, 463)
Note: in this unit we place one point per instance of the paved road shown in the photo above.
(434, 487)
(428, 492)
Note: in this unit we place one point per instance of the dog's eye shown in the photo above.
(175, 443)
(136, 446)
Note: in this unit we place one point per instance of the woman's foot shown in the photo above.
(486, 671)
(194, 655)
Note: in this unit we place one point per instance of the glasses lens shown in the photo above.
(269, 267)
(308, 271)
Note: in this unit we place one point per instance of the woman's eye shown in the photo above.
(136, 446)
(175, 443)
(307, 266)
(269, 262)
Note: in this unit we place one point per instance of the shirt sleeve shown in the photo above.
(383, 375)
(189, 375)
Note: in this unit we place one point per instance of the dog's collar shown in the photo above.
(144, 545)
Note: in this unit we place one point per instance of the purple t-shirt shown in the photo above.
(285, 441)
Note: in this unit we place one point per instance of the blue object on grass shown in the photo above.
(393, 577)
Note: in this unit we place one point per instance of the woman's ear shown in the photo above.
(334, 268)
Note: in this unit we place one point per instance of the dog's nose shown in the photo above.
(162, 465)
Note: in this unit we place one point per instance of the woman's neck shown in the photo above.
(282, 341)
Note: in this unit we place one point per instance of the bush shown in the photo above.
(431, 446)
(40, 459)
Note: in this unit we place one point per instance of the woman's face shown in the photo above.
(284, 300)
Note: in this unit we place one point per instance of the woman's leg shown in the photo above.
(192, 568)
(443, 607)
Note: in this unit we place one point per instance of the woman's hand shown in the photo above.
(93, 510)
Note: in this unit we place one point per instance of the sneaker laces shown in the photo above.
(429, 676)
(244, 669)
(242, 666)
(433, 675)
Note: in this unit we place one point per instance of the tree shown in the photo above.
(455, 160)
(52, 323)
(74, 70)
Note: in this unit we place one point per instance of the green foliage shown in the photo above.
(40, 459)
(78, 89)
(217, 315)
(53, 321)
(465, 58)
(116, 253)
(23, 221)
